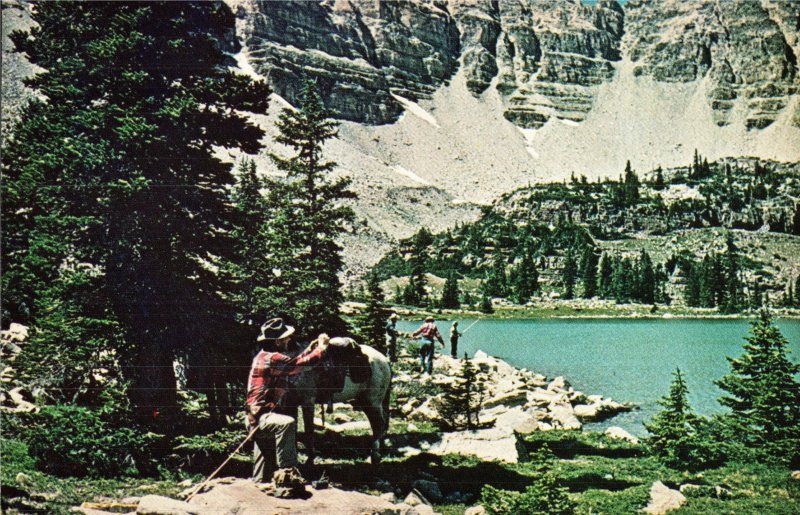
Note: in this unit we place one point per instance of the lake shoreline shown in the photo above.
(558, 313)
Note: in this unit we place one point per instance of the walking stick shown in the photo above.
(199, 487)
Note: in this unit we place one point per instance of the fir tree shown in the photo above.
(113, 169)
(588, 268)
(658, 182)
(450, 293)
(526, 279)
(605, 276)
(676, 431)
(461, 402)
(731, 299)
(496, 284)
(308, 218)
(763, 393)
(569, 274)
(646, 280)
(370, 325)
(486, 304)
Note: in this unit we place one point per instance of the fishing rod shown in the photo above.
(470, 327)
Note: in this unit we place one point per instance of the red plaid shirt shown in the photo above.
(270, 373)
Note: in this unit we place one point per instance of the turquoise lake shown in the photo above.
(626, 360)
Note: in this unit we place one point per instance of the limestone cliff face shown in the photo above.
(545, 57)
(745, 49)
(360, 51)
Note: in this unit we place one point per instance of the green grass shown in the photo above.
(25, 489)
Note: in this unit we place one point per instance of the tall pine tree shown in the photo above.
(763, 393)
(309, 216)
(111, 181)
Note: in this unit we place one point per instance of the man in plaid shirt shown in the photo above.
(267, 386)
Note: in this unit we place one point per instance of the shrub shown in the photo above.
(542, 496)
(78, 441)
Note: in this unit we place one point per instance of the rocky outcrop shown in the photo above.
(747, 51)
(362, 53)
(516, 404)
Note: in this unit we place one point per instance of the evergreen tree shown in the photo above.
(450, 293)
(763, 393)
(112, 169)
(588, 266)
(496, 284)
(461, 402)
(731, 299)
(308, 218)
(370, 325)
(658, 182)
(646, 280)
(605, 276)
(526, 279)
(631, 186)
(675, 431)
(569, 274)
(693, 283)
(486, 304)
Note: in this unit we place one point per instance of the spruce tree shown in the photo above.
(309, 216)
(731, 299)
(450, 293)
(672, 427)
(605, 276)
(588, 267)
(112, 171)
(526, 279)
(461, 402)
(677, 433)
(370, 325)
(763, 393)
(646, 279)
(569, 274)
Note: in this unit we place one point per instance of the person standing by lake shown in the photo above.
(428, 332)
(391, 337)
(454, 336)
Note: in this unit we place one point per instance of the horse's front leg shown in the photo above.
(308, 428)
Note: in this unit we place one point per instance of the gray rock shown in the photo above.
(620, 434)
(475, 510)
(663, 499)
(429, 489)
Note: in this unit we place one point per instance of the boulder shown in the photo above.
(620, 434)
(475, 510)
(159, 505)
(558, 384)
(796, 475)
(429, 489)
(425, 412)
(586, 411)
(244, 497)
(663, 499)
(563, 416)
(513, 398)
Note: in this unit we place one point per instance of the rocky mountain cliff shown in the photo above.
(545, 57)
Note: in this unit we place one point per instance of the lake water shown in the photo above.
(626, 360)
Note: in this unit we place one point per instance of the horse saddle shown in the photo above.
(345, 359)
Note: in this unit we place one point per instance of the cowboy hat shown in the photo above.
(275, 329)
(394, 316)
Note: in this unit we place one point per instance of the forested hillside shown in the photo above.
(632, 239)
